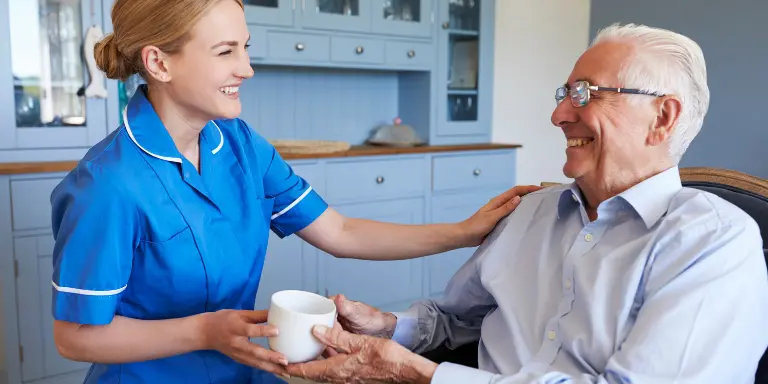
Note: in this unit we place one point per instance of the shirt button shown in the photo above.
(551, 335)
(575, 198)
(568, 284)
(186, 175)
(588, 237)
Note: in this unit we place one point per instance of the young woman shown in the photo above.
(162, 228)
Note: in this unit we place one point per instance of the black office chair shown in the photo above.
(747, 192)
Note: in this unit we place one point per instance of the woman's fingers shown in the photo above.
(257, 330)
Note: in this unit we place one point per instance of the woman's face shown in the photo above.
(206, 75)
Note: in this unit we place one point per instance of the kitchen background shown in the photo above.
(472, 79)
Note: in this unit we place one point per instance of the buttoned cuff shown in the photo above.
(406, 330)
(449, 373)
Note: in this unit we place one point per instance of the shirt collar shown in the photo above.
(649, 198)
(147, 131)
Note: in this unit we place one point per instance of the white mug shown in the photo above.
(295, 313)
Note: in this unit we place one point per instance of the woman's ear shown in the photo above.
(667, 113)
(156, 63)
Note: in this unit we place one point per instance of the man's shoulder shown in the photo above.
(703, 208)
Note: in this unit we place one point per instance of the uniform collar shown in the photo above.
(649, 198)
(147, 131)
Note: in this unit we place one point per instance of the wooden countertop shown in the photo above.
(355, 151)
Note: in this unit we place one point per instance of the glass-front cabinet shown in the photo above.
(461, 65)
(269, 12)
(52, 93)
(338, 15)
(402, 17)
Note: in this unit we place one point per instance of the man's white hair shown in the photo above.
(669, 63)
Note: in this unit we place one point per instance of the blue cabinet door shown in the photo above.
(269, 12)
(465, 67)
(412, 18)
(389, 285)
(337, 15)
(44, 81)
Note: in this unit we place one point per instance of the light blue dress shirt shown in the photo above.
(668, 285)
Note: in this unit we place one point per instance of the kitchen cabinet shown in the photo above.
(46, 99)
(411, 18)
(269, 12)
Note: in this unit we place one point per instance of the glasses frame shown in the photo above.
(580, 92)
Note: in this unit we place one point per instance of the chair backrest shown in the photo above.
(747, 192)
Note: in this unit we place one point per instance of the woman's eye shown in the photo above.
(246, 46)
(227, 52)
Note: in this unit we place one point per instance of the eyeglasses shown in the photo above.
(580, 92)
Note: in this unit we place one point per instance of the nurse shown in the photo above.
(161, 229)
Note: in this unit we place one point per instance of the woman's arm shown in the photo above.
(126, 340)
(372, 240)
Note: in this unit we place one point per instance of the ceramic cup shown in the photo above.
(294, 313)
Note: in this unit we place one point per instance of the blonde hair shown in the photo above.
(165, 24)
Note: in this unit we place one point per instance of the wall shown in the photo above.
(735, 133)
(537, 43)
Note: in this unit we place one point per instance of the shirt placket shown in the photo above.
(586, 239)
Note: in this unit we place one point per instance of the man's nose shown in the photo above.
(564, 113)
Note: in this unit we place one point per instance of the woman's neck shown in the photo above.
(184, 130)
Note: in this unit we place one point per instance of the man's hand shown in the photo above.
(478, 226)
(363, 359)
(362, 319)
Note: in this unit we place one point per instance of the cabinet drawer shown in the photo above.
(31, 203)
(365, 180)
(356, 50)
(295, 46)
(468, 171)
(410, 54)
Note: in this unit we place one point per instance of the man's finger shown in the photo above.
(336, 338)
(316, 370)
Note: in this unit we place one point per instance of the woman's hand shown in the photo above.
(227, 331)
(479, 225)
(363, 359)
(363, 319)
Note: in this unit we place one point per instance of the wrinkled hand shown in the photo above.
(227, 331)
(363, 359)
(479, 225)
(362, 319)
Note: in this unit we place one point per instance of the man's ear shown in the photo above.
(668, 110)
(156, 63)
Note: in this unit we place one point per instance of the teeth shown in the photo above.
(229, 90)
(578, 142)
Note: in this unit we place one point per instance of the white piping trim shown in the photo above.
(130, 133)
(288, 208)
(221, 142)
(88, 292)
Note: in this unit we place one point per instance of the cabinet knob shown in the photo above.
(359, 50)
(446, 25)
(299, 47)
(379, 179)
(476, 172)
(411, 53)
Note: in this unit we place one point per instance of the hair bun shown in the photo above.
(111, 61)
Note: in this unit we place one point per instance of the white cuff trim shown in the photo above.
(289, 207)
(88, 292)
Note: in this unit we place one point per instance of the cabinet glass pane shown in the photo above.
(403, 10)
(339, 7)
(262, 3)
(462, 107)
(464, 14)
(46, 61)
(462, 76)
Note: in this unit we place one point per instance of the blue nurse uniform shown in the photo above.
(141, 234)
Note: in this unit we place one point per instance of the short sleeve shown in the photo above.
(296, 203)
(95, 227)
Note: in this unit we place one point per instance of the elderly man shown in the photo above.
(622, 277)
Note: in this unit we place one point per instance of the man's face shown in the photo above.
(608, 138)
